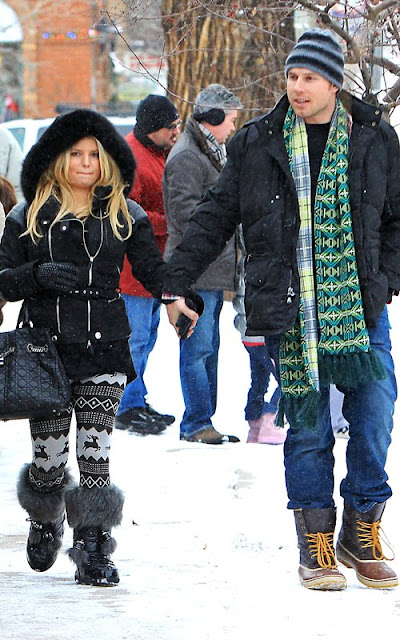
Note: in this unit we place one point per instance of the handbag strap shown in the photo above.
(23, 316)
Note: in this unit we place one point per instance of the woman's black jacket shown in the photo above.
(256, 188)
(93, 315)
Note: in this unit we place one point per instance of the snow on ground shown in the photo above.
(213, 553)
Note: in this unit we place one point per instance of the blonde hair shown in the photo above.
(54, 182)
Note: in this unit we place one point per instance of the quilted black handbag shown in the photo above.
(33, 382)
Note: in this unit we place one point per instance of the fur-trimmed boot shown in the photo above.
(92, 513)
(46, 516)
(318, 569)
(359, 547)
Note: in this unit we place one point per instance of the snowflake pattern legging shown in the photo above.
(95, 401)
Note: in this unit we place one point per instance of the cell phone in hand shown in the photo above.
(183, 324)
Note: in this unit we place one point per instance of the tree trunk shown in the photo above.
(217, 41)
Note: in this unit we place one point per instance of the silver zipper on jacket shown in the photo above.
(90, 275)
(58, 314)
(89, 343)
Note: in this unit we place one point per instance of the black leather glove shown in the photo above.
(60, 277)
(390, 294)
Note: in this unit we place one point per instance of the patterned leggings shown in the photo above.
(95, 401)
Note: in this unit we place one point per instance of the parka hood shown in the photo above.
(65, 131)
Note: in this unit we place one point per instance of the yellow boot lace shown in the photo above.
(369, 537)
(321, 548)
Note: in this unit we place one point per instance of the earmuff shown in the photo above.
(212, 116)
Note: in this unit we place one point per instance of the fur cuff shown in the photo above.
(44, 507)
(94, 507)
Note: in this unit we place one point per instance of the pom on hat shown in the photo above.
(319, 51)
(155, 112)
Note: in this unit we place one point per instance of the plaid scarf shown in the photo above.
(329, 342)
(217, 150)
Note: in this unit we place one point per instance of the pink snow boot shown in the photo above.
(255, 426)
(269, 432)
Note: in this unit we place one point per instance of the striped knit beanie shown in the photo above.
(319, 51)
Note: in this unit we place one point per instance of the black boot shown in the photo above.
(359, 547)
(91, 554)
(92, 513)
(44, 543)
(46, 515)
(318, 568)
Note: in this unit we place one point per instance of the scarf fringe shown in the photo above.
(350, 370)
(300, 412)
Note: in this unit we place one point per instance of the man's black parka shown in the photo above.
(256, 189)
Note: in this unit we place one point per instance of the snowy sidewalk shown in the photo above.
(213, 554)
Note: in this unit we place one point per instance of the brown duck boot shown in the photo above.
(359, 548)
(318, 569)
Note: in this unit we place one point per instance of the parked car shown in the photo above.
(27, 132)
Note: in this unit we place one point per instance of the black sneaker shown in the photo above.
(137, 420)
(165, 418)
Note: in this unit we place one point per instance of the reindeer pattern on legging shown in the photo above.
(95, 401)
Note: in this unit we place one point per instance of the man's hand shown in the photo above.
(175, 309)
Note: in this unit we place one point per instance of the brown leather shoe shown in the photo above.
(210, 436)
(359, 548)
(318, 569)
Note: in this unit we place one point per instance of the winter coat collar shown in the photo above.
(361, 112)
(146, 142)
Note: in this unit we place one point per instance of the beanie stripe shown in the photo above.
(318, 51)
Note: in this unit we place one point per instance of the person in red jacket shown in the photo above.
(154, 134)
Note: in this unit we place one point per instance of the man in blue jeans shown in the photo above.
(193, 166)
(315, 185)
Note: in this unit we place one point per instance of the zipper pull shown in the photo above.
(290, 294)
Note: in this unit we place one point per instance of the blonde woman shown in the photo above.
(61, 253)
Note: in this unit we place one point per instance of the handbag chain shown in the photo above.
(4, 355)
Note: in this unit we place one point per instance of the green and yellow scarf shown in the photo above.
(329, 342)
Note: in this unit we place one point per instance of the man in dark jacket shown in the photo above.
(315, 184)
(192, 167)
(154, 135)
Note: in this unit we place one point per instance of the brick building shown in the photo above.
(64, 55)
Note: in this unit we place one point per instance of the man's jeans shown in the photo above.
(199, 364)
(369, 411)
(261, 367)
(144, 317)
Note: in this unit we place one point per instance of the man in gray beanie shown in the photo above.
(193, 166)
(315, 184)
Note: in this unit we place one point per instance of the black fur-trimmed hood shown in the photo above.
(62, 134)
